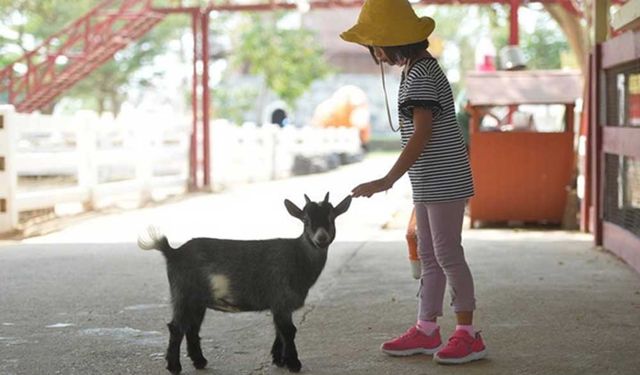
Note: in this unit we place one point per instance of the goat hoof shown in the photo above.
(174, 368)
(200, 363)
(294, 365)
(278, 361)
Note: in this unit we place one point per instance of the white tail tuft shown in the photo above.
(149, 239)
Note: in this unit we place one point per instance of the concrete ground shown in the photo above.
(84, 300)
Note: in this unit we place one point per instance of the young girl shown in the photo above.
(434, 153)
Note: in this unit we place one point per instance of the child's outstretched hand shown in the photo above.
(369, 188)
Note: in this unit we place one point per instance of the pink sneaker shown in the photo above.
(413, 342)
(461, 348)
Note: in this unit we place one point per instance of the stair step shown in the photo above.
(107, 42)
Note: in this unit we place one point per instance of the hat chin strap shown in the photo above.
(386, 99)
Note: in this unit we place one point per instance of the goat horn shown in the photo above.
(326, 197)
(307, 198)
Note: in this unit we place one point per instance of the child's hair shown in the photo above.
(407, 51)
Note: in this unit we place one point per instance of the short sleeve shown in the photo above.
(420, 92)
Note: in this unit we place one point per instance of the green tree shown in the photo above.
(544, 46)
(575, 30)
(289, 60)
(232, 102)
(32, 21)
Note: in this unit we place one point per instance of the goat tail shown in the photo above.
(154, 239)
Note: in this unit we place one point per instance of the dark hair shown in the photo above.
(407, 51)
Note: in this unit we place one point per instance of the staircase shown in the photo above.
(37, 78)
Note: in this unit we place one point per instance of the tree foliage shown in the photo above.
(543, 47)
(289, 60)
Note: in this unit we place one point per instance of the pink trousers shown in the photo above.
(442, 258)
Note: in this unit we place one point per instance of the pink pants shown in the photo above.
(442, 258)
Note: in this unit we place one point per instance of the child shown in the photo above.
(435, 156)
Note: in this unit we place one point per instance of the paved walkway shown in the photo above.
(84, 300)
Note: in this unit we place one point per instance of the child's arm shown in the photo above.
(422, 122)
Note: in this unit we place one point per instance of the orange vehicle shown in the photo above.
(347, 107)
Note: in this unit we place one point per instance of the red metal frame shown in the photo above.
(87, 43)
(94, 38)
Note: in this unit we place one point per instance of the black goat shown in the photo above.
(234, 276)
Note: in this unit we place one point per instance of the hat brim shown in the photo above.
(370, 36)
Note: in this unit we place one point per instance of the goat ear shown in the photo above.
(293, 209)
(326, 198)
(306, 198)
(343, 206)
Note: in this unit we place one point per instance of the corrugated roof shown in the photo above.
(524, 87)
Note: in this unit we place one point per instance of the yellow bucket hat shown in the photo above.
(388, 23)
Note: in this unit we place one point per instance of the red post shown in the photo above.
(193, 143)
(585, 204)
(513, 23)
(597, 156)
(514, 40)
(205, 99)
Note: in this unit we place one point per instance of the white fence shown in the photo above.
(249, 154)
(96, 161)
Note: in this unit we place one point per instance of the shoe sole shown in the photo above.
(408, 352)
(457, 361)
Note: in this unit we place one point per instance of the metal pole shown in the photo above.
(205, 99)
(193, 143)
(596, 144)
(600, 11)
(585, 204)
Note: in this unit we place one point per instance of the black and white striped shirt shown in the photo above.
(442, 172)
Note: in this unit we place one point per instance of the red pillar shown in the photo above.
(193, 142)
(597, 156)
(585, 204)
(514, 38)
(205, 99)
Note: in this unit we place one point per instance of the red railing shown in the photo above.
(35, 79)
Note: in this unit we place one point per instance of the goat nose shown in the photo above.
(321, 236)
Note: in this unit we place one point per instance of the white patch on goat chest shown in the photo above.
(221, 292)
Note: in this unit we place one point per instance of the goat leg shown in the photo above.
(194, 350)
(276, 351)
(193, 338)
(285, 326)
(173, 351)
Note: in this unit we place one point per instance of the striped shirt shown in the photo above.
(442, 172)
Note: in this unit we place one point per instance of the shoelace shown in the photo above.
(410, 332)
(455, 340)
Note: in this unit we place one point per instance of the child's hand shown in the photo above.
(369, 188)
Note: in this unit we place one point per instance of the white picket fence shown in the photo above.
(97, 161)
